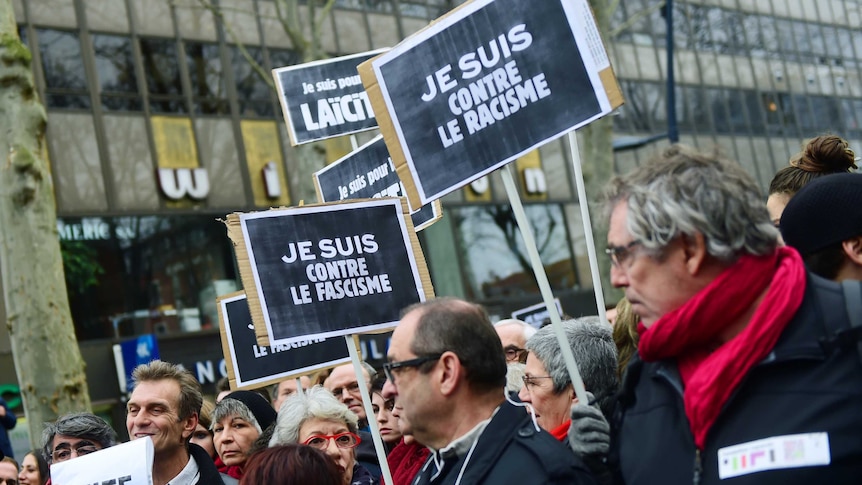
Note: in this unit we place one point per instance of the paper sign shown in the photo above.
(250, 365)
(325, 270)
(126, 464)
(368, 172)
(484, 85)
(323, 99)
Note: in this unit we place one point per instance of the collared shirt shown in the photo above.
(449, 455)
(189, 474)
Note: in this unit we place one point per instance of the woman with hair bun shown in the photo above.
(820, 156)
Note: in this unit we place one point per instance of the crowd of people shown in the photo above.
(735, 356)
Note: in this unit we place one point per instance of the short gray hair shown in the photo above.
(77, 425)
(592, 344)
(233, 407)
(685, 192)
(315, 402)
(528, 329)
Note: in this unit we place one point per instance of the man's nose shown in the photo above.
(389, 391)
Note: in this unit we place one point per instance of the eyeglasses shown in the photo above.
(389, 368)
(515, 353)
(9, 481)
(619, 254)
(351, 389)
(344, 440)
(81, 449)
(529, 380)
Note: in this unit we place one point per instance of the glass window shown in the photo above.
(65, 79)
(253, 93)
(145, 274)
(163, 75)
(115, 67)
(207, 80)
(497, 265)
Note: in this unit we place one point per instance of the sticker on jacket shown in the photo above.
(788, 451)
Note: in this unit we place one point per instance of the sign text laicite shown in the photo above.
(323, 99)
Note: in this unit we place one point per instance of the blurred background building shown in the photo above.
(140, 92)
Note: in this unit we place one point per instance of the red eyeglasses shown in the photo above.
(342, 440)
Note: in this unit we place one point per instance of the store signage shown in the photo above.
(177, 183)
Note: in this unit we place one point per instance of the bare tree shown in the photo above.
(47, 359)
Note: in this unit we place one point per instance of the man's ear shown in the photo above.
(853, 249)
(450, 373)
(189, 425)
(695, 252)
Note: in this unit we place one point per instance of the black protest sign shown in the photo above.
(486, 84)
(326, 270)
(251, 365)
(323, 99)
(536, 314)
(368, 172)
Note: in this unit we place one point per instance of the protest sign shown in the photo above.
(485, 84)
(368, 172)
(250, 365)
(323, 99)
(536, 314)
(126, 464)
(325, 270)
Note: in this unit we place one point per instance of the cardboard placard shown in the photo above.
(536, 314)
(129, 463)
(250, 365)
(323, 99)
(485, 84)
(368, 172)
(325, 270)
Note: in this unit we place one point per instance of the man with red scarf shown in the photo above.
(739, 376)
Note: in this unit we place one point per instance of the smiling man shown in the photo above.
(740, 372)
(164, 406)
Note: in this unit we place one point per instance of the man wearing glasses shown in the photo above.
(747, 368)
(447, 373)
(513, 335)
(75, 435)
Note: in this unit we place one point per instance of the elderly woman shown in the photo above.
(317, 419)
(547, 386)
(237, 421)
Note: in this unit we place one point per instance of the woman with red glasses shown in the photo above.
(316, 418)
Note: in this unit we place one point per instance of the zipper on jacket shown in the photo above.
(698, 469)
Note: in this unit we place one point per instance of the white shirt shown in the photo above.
(189, 474)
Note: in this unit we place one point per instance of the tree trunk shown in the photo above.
(47, 359)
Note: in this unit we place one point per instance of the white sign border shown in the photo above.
(577, 25)
(285, 106)
(291, 372)
(396, 202)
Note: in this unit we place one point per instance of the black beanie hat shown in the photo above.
(259, 407)
(826, 211)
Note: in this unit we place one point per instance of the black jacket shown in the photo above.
(511, 451)
(209, 474)
(809, 383)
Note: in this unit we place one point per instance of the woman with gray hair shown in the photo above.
(237, 421)
(317, 419)
(547, 386)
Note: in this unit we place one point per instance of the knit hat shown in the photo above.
(259, 407)
(826, 211)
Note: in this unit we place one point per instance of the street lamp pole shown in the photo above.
(672, 130)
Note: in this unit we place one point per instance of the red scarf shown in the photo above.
(686, 333)
(561, 431)
(405, 462)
